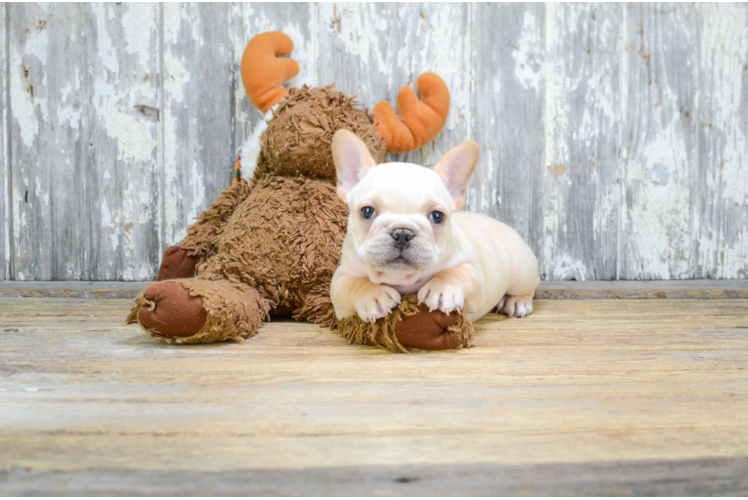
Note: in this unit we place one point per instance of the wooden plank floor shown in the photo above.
(583, 397)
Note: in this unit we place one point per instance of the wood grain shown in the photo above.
(199, 68)
(613, 136)
(720, 204)
(5, 214)
(509, 79)
(354, 41)
(610, 389)
(673, 289)
(424, 39)
(645, 478)
(581, 130)
(658, 144)
(576, 290)
(84, 126)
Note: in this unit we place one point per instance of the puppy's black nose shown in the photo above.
(402, 237)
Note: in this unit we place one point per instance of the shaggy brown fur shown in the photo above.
(284, 240)
(200, 235)
(299, 136)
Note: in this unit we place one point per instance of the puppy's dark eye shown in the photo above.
(367, 212)
(436, 217)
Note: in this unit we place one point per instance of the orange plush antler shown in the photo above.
(264, 69)
(420, 120)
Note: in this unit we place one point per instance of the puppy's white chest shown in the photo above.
(406, 286)
(408, 289)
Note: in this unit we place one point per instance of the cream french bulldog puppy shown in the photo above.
(404, 236)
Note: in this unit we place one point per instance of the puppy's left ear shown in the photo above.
(456, 168)
(352, 159)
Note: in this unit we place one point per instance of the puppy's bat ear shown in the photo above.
(352, 159)
(456, 168)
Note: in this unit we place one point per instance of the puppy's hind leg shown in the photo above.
(518, 306)
(518, 300)
(524, 280)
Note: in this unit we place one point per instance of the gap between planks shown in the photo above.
(574, 290)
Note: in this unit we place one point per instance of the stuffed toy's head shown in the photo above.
(298, 137)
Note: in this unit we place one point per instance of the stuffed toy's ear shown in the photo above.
(419, 120)
(352, 159)
(456, 168)
(264, 69)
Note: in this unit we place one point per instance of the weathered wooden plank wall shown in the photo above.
(721, 206)
(4, 161)
(613, 136)
(84, 156)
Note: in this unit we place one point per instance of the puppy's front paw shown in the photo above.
(377, 303)
(445, 297)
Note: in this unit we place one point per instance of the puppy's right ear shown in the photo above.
(352, 159)
(456, 168)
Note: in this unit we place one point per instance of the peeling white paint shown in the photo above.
(529, 67)
(659, 146)
(553, 118)
(446, 52)
(723, 44)
(4, 149)
(176, 79)
(356, 29)
(660, 218)
(567, 268)
(25, 113)
(105, 47)
(107, 110)
(302, 53)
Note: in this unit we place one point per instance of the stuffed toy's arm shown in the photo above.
(181, 261)
(419, 120)
(199, 240)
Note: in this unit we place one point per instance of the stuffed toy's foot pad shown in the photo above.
(170, 311)
(428, 330)
(410, 327)
(176, 264)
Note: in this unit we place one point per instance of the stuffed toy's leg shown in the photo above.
(410, 328)
(177, 263)
(195, 311)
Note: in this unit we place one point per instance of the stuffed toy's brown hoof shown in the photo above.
(170, 311)
(177, 263)
(428, 330)
(198, 311)
(410, 328)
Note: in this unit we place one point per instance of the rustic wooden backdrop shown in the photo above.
(613, 136)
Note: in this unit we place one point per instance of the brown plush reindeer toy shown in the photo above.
(268, 247)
